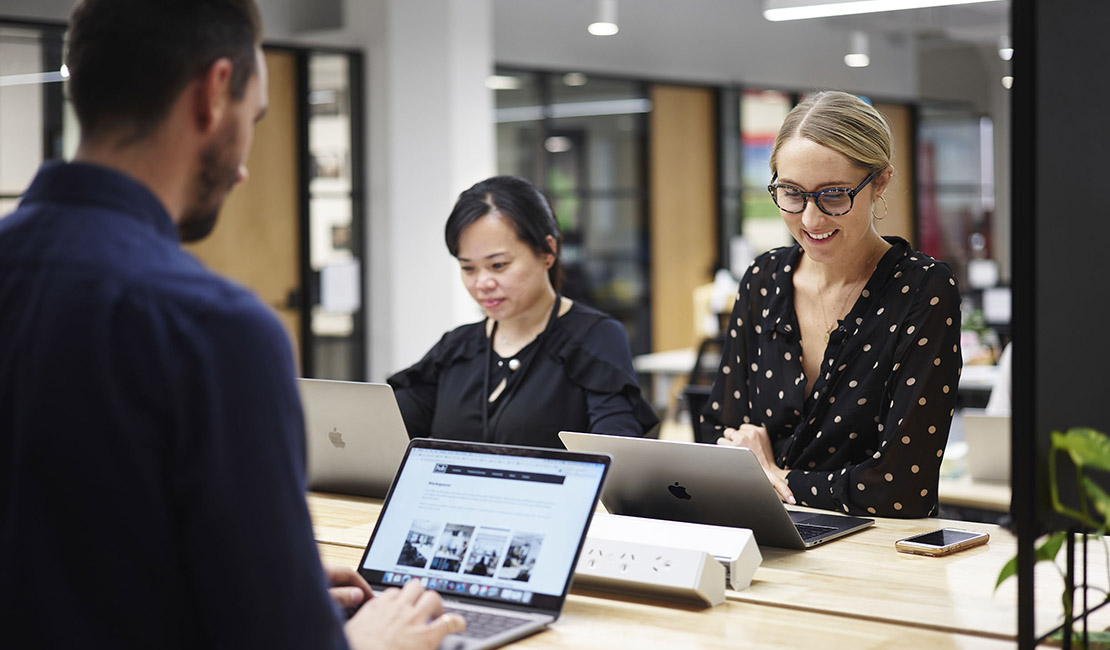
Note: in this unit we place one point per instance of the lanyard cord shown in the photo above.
(486, 434)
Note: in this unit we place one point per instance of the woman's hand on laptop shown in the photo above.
(755, 438)
(347, 588)
(410, 618)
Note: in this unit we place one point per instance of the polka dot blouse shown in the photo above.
(870, 437)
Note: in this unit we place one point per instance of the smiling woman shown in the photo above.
(842, 357)
(539, 363)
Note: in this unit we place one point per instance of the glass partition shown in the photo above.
(33, 122)
(955, 190)
(749, 119)
(335, 241)
(761, 115)
(582, 140)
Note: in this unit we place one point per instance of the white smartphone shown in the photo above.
(941, 542)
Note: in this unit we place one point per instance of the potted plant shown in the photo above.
(1089, 451)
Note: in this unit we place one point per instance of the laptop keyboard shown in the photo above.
(809, 531)
(481, 625)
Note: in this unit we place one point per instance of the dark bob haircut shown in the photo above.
(129, 60)
(526, 208)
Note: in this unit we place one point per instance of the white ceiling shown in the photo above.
(947, 53)
(980, 23)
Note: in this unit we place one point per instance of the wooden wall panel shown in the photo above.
(900, 195)
(683, 208)
(256, 241)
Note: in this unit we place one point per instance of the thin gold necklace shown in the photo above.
(843, 303)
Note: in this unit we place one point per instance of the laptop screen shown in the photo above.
(487, 522)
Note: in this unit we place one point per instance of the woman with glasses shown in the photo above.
(842, 356)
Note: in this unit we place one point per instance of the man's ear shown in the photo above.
(212, 94)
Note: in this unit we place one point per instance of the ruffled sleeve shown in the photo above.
(594, 352)
(417, 385)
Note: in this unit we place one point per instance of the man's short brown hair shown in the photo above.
(128, 60)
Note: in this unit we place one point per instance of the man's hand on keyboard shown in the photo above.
(347, 588)
(410, 618)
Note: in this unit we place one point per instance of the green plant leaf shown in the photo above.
(1048, 550)
(1098, 497)
(1008, 570)
(1087, 447)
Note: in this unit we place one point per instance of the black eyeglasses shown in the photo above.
(833, 201)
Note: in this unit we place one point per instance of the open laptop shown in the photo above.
(988, 445)
(705, 484)
(495, 529)
(356, 436)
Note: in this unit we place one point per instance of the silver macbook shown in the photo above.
(356, 436)
(705, 484)
(495, 529)
(988, 445)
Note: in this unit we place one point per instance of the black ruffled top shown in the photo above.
(577, 376)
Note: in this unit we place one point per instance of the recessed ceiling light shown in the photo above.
(574, 79)
(502, 82)
(606, 22)
(558, 144)
(857, 60)
(1005, 49)
(858, 55)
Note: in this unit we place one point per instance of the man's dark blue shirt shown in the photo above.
(151, 438)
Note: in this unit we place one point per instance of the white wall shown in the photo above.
(430, 136)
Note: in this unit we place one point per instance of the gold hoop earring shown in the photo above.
(886, 209)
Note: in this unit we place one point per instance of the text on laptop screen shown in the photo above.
(500, 527)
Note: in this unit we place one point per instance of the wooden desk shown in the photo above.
(864, 577)
(965, 492)
(853, 592)
(593, 621)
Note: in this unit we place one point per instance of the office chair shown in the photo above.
(702, 375)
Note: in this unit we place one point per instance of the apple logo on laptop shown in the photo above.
(678, 491)
(337, 439)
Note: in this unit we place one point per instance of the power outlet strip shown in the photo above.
(675, 573)
(735, 548)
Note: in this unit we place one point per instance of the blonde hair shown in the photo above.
(842, 122)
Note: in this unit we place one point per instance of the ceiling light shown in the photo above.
(574, 79)
(1005, 49)
(606, 23)
(1007, 82)
(858, 56)
(557, 144)
(776, 10)
(502, 82)
(31, 78)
